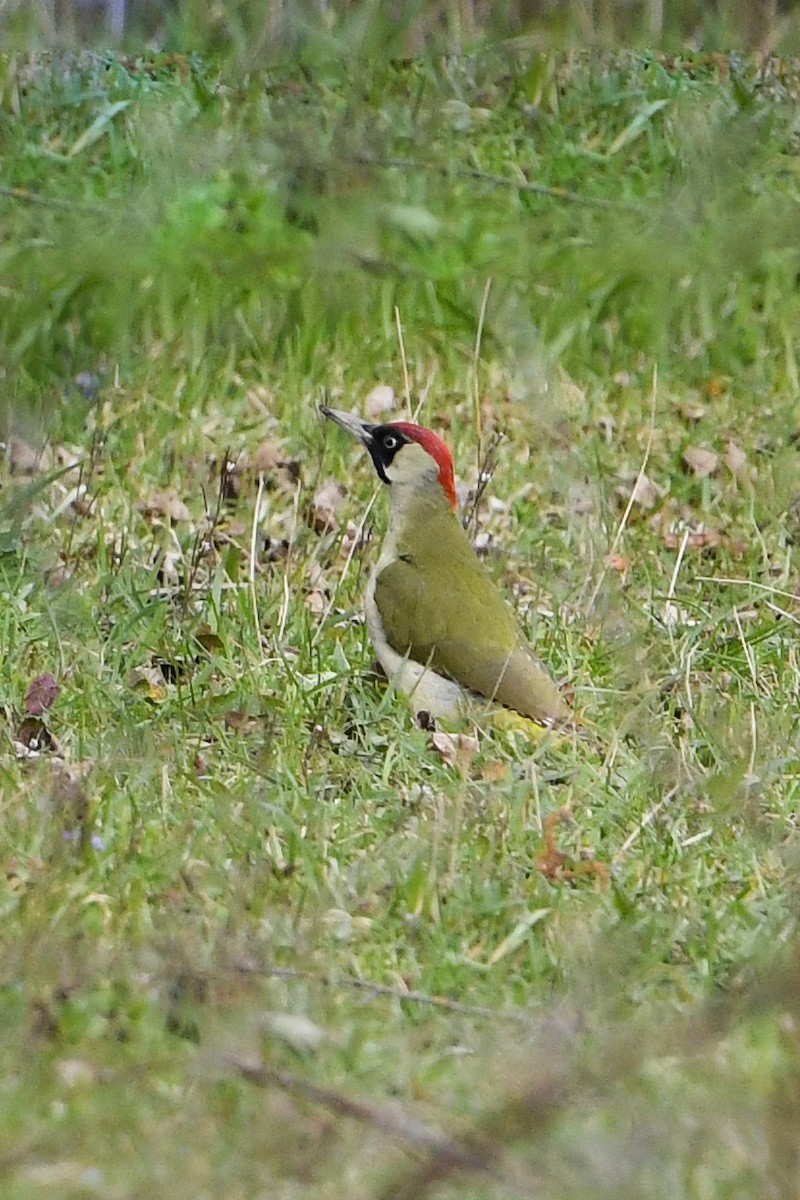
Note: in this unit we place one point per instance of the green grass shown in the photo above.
(242, 894)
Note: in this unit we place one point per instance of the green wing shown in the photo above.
(488, 656)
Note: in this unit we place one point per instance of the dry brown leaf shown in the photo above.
(268, 458)
(149, 682)
(735, 459)
(165, 504)
(717, 386)
(239, 477)
(242, 722)
(32, 737)
(41, 695)
(354, 539)
(494, 772)
(22, 457)
(581, 499)
(692, 410)
(700, 462)
(456, 749)
(327, 501)
(316, 603)
(617, 562)
(706, 540)
(645, 493)
(379, 401)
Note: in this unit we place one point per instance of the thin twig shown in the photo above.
(761, 587)
(486, 470)
(401, 340)
(645, 821)
(476, 362)
(392, 1122)
(632, 498)
(781, 612)
(17, 193)
(251, 573)
(537, 189)
(394, 993)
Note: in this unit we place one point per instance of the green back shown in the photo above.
(468, 634)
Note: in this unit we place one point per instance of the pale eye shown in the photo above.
(390, 442)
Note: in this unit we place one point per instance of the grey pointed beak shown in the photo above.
(349, 421)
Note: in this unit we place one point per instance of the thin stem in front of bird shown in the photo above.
(401, 340)
(486, 470)
(632, 498)
(476, 360)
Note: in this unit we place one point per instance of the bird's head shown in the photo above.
(405, 455)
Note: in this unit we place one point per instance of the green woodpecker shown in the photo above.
(438, 623)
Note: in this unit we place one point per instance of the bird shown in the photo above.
(440, 627)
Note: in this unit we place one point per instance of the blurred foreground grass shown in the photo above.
(258, 933)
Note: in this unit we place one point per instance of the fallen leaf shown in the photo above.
(354, 539)
(717, 386)
(316, 603)
(165, 504)
(558, 867)
(645, 493)
(379, 401)
(75, 1072)
(617, 562)
(735, 459)
(149, 682)
(268, 457)
(32, 737)
(692, 410)
(210, 641)
(238, 476)
(494, 772)
(298, 1031)
(456, 749)
(704, 539)
(328, 499)
(242, 722)
(41, 695)
(581, 499)
(700, 462)
(22, 457)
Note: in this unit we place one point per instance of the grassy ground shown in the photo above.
(260, 937)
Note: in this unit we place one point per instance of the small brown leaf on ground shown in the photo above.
(269, 457)
(558, 867)
(316, 603)
(211, 642)
(238, 476)
(327, 501)
(379, 401)
(456, 749)
(148, 682)
(494, 772)
(41, 695)
(581, 499)
(242, 722)
(735, 459)
(617, 562)
(22, 458)
(692, 410)
(705, 539)
(354, 539)
(165, 504)
(717, 386)
(33, 737)
(645, 493)
(700, 462)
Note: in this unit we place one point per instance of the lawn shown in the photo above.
(263, 936)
